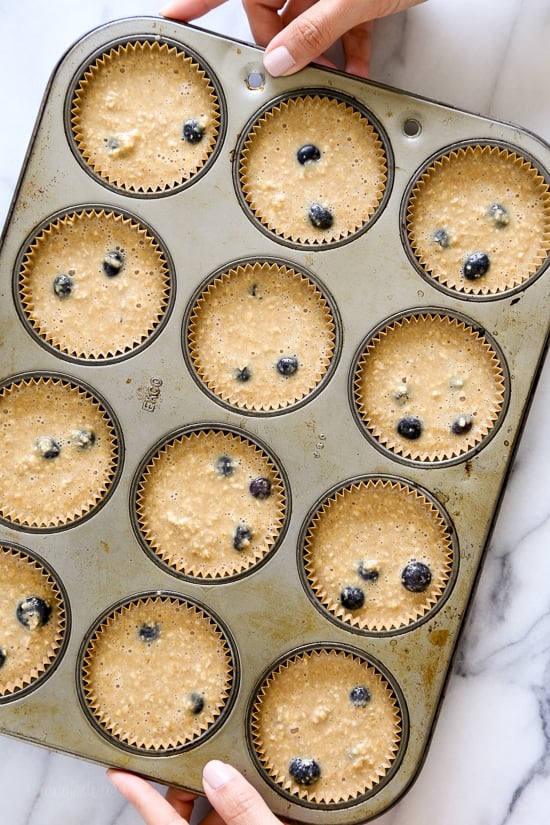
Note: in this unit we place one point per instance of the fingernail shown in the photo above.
(216, 774)
(279, 61)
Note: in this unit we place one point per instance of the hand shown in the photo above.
(298, 32)
(234, 800)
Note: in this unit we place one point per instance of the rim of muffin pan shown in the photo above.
(207, 386)
(473, 292)
(470, 325)
(46, 337)
(117, 462)
(386, 151)
(148, 460)
(64, 631)
(300, 797)
(226, 704)
(70, 109)
(347, 618)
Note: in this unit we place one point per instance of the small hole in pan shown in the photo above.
(255, 80)
(412, 127)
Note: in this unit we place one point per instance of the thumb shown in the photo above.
(233, 798)
(309, 35)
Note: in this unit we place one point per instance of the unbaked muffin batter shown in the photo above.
(94, 284)
(145, 116)
(157, 673)
(59, 452)
(313, 169)
(210, 504)
(484, 204)
(429, 387)
(32, 620)
(261, 336)
(326, 726)
(366, 549)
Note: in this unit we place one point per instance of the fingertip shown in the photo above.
(279, 62)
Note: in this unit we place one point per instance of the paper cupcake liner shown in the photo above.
(156, 673)
(41, 491)
(37, 649)
(381, 546)
(303, 710)
(349, 179)
(437, 371)
(85, 321)
(247, 321)
(208, 525)
(129, 111)
(480, 199)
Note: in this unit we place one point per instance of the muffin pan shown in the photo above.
(319, 594)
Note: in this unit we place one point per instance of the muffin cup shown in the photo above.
(430, 387)
(327, 727)
(379, 554)
(94, 284)
(157, 673)
(238, 360)
(324, 197)
(477, 220)
(62, 451)
(210, 504)
(30, 647)
(163, 143)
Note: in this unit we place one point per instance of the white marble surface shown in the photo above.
(489, 763)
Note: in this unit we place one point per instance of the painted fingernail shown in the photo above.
(279, 61)
(216, 774)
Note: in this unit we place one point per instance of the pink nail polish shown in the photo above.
(279, 61)
(216, 774)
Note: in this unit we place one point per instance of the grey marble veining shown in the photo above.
(489, 762)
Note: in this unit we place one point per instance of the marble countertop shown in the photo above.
(489, 761)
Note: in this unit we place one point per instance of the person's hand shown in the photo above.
(298, 32)
(233, 799)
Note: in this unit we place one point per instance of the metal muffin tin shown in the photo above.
(318, 443)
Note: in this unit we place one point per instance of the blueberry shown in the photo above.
(352, 597)
(410, 427)
(287, 365)
(416, 576)
(320, 216)
(224, 465)
(260, 487)
(2, 656)
(243, 374)
(307, 153)
(441, 237)
(83, 439)
(499, 215)
(33, 612)
(196, 703)
(112, 144)
(63, 285)
(47, 446)
(368, 571)
(476, 265)
(112, 264)
(303, 770)
(193, 132)
(149, 632)
(360, 696)
(462, 424)
(242, 537)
